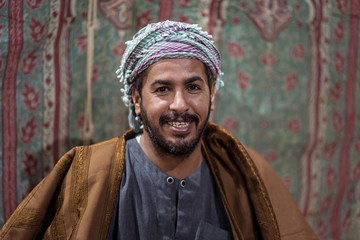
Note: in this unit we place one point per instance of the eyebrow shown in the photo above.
(193, 79)
(167, 82)
(159, 81)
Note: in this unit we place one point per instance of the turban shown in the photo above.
(164, 40)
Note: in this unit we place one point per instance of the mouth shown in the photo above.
(179, 124)
(177, 121)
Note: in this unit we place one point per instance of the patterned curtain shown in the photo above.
(292, 89)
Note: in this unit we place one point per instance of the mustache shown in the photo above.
(172, 117)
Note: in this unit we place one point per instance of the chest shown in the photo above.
(154, 205)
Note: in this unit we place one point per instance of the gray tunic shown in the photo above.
(154, 205)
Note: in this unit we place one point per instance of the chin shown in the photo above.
(179, 145)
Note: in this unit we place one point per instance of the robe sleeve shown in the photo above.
(292, 224)
(77, 198)
(31, 217)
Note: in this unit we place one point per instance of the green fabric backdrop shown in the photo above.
(292, 83)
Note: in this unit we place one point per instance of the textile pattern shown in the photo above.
(292, 90)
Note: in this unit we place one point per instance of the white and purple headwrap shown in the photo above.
(163, 40)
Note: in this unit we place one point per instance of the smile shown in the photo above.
(179, 124)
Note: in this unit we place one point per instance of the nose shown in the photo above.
(179, 103)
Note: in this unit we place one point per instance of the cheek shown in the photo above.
(200, 104)
(155, 105)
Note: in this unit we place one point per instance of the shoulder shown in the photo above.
(105, 149)
(100, 154)
(253, 166)
(220, 138)
(263, 166)
(242, 154)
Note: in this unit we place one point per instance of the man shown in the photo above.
(174, 175)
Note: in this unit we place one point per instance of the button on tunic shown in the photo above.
(153, 205)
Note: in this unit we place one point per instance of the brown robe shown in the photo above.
(76, 200)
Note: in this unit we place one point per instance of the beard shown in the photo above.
(180, 147)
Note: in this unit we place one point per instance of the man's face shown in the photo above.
(175, 104)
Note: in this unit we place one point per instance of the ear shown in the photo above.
(136, 98)
(212, 96)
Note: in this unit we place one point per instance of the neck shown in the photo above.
(176, 166)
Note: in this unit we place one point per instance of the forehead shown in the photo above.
(176, 69)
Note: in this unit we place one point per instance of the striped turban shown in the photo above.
(163, 40)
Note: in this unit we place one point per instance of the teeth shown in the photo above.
(179, 124)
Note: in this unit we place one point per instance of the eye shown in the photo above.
(162, 89)
(193, 87)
